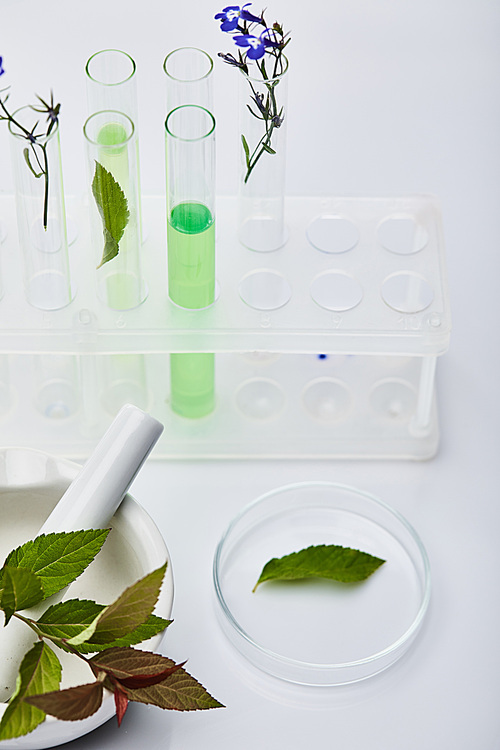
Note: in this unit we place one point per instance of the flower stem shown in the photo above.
(271, 111)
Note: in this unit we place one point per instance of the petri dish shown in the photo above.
(318, 631)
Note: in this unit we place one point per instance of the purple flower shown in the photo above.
(231, 15)
(2, 71)
(257, 44)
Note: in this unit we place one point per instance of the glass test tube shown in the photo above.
(112, 85)
(189, 78)
(41, 214)
(190, 169)
(113, 177)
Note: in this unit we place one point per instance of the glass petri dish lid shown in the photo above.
(318, 631)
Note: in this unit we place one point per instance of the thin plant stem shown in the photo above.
(33, 140)
(272, 43)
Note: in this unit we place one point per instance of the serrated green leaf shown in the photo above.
(70, 620)
(178, 691)
(321, 561)
(131, 609)
(148, 629)
(113, 209)
(40, 672)
(21, 588)
(57, 558)
(74, 619)
(71, 704)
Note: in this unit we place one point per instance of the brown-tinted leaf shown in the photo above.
(124, 662)
(144, 680)
(71, 704)
(178, 691)
(131, 609)
(121, 704)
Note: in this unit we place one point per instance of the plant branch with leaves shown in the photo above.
(266, 51)
(103, 636)
(35, 153)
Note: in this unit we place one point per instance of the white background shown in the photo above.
(386, 97)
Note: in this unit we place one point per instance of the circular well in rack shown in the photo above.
(318, 631)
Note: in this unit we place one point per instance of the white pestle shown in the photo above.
(89, 503)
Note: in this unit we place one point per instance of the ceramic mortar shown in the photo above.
(31, 483)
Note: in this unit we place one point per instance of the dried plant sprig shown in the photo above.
(35, 153)
(261, 49)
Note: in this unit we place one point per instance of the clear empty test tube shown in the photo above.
(189, 78)
(190, 169)
(112, 85)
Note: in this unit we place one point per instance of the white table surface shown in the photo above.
(385, 98)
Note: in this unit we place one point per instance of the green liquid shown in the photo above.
(191, 284)
(192, 391)
(112, 134)
(191, 255)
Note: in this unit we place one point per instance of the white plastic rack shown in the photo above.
(324, 348)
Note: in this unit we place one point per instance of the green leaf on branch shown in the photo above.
(70, 623)
(131, 609)
(322, 561)
(176, 690)
(71, 704)
(143, 632)
(20, 589)
(268, 148)
(113, 209)
(72, 618)
(58, 558)
(26, 155)
(40, 672)
(257, 117)
(246, 149)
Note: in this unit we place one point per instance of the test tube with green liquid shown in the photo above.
(190, 171)
(113, 176)
(111, 77)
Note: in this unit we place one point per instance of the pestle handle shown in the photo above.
(98, 489)
(89, 502)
